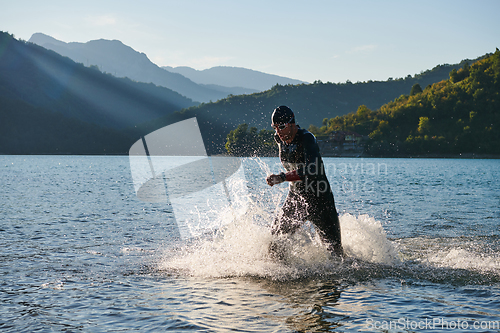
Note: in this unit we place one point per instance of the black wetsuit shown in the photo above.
(311, 198)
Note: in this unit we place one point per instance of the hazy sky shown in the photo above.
(307, 40)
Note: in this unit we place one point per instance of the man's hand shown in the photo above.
(274, 179)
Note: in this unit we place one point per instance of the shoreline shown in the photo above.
(443, 156)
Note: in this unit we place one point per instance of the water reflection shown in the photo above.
(307, 305)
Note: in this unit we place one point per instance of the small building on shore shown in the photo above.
(342, 144)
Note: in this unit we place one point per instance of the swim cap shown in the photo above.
(283, 115)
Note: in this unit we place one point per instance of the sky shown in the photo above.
(331, 41)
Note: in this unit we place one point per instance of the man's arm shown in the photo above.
(310, 168)
(291, 176)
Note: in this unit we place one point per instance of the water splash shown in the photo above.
(242, 249)
(459, 258)
(364, 238)
(474, 254)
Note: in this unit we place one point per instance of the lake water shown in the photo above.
(80, 252)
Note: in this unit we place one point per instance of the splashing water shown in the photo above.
(471, 254)
(241, 249)
(364, 238)
(459, 258)
(241, 246)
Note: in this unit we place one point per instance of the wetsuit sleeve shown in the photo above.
(292, 176)
(312, 158)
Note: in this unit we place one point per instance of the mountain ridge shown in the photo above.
(118, 59)
(48, 80)
(460, 115)
(312, 104)
(230, 76)
(74, 93)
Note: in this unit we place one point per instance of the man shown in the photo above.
(310, 196)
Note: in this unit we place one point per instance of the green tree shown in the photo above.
(363, 112)
(416, 89)
(423, 125)
(245, 141)
(459, 115)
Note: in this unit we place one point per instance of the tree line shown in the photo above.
(459, 115)
(74, 103)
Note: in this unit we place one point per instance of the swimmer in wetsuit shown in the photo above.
(310, 196)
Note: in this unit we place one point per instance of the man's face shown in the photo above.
(284, 131)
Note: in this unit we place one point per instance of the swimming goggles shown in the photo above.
(280, 126)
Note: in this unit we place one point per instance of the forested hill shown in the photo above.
(311, 103)
(460, 115)
(75, 106)
(46, 80)
(112, 56)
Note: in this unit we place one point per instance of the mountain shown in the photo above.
(66, 101)
(79, 102)
(233, 77)
(312, 103)
(48, 80)
(113, 57)
(460, 115)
